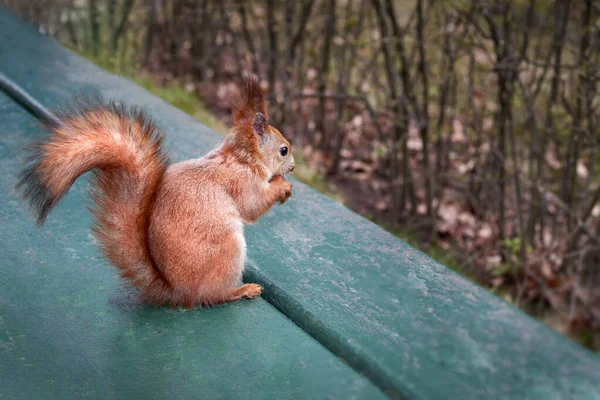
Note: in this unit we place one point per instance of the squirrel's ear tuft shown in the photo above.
(249, 103)
(259, 125)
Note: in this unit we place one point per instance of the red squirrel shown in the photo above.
(175, 231)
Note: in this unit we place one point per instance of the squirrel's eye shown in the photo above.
(283, 151)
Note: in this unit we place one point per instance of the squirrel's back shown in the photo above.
(123, 148)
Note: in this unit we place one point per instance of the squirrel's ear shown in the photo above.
(259, 125)
(249, 103)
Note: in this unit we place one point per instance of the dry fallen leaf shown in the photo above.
(485, 232)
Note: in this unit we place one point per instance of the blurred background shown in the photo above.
(468, 128)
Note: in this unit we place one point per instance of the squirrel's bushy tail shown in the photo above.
(123, 149)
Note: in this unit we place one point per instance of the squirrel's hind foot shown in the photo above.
(248, 290)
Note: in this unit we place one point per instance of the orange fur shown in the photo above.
(249, 102)
(175, 231)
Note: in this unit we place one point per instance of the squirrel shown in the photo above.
(175, 231)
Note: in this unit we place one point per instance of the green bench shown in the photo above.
(349, 311)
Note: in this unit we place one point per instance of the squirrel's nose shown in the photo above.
(291, 169)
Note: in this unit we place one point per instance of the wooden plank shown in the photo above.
(68, 328)
(415, 328)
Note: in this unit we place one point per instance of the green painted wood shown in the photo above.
(68, 328)
(414, 327)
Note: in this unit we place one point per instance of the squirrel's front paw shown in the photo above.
(283, 189)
